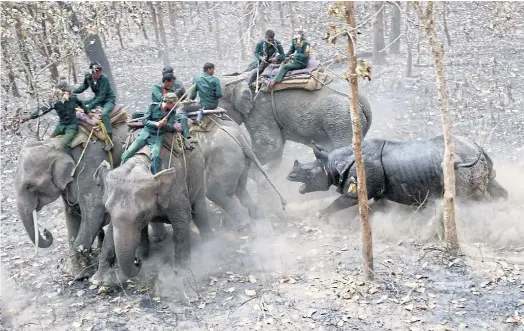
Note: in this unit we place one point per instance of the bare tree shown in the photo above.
(394, 34)
(172, 13)
(426, 17)
(379, 46)
(446, 31)
(152, 12)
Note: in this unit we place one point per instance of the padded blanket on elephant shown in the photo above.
(315, 81)
(208, 123)
(119, 117)
(272, 71)
(169, 138)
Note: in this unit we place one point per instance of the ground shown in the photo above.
(299, 273)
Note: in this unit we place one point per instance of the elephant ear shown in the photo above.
(62, 171)
(243, 99)
(164, 180)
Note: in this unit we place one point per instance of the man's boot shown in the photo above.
(109, 146)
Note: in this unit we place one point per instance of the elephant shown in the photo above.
(44, 173)
(405, 172)
(300, 115)
(133, 197)
(228, 155)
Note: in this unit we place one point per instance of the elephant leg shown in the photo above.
(244, 197)
(342, 202)
(180, 219)
(92, 222)
(231, 206)
(143, 249)
(105, 275)
(159, 231)
(200, 216)
(73, 220)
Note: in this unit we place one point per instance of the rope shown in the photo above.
(83, 151)
(170, 155)
(273, 108)
(107, 141)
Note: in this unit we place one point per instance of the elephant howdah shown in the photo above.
(406, 172)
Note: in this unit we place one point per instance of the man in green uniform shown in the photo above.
(104, 96)
(65, 104)
(155, 125)
(208, 88)
(169, 84)
(267, 51)
(299, 55)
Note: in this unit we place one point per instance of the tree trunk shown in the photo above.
(26, 63)
(425, 16)
(162, 31)
(217, 33)
(379, 52)
(152, 11)
(394, 34)
(291, 18)
(142, 27)
(171, 12)
(209, 23)
(281, 12)
(367, 241)
(446, 31)
(10, 74)
(409, 64)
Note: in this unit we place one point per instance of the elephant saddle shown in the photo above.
(86, 123)
(172, 143)
(307, 81)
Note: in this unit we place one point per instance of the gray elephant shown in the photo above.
(228, 155)
(299, 115)
(405, 172)
(134, 197)
(44, 173)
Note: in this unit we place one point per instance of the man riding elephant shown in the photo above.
(208, 89)
(267, 51)
(169, 84)
(155, 125)
(104, 96)
(299, 55)
(65, 103)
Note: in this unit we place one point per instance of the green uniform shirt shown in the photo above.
(209, 90)
(155, 114)
(266, 50)
(101, 88)
(65, 110)
(301, 56)
(158, 90)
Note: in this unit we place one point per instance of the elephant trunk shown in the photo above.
(125, 248)
(28, 215)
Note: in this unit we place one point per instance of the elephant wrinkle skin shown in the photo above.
(228, 156)
(405, 172)
(302, 116)
(43, 174)
(134, 197)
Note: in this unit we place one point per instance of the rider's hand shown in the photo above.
(273, 60)
(262, 59)
(159, 124)
(292, 56)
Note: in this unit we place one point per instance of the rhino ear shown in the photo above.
(320, 155)
(164, 180)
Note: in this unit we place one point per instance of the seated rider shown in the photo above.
(104, 96)
(169, 84)
(208, 89)
(269, 50)
(65, 103)
(299, 55)
(155, 125)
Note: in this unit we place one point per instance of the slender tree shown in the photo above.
(379, 52)
(426, 17)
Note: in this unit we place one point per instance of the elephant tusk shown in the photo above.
(37, 234)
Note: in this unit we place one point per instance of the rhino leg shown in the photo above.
(342, 202)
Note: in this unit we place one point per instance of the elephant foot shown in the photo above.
(108, 276)
(81, 264)
(159, 232)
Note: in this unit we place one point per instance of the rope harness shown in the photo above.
(99, 124)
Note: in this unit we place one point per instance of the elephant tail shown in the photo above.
(248, 152)
(366, 110)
